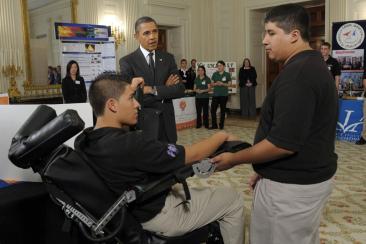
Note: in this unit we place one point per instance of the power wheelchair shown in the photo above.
(85, 199)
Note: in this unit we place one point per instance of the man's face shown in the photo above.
(127, 107)
(276, 42)
(325, 50)
(183, 64)
(193, 63)
(220, 67)
(147, 35)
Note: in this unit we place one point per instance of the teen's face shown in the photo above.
(220, 67)
(201, 72)
(276, 42)
(193, 63)
(183, 64)
(147, 36)
(246, 63)
(127, 107)
(73, 69)
(324, 50)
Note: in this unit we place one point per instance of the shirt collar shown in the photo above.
(146, 52)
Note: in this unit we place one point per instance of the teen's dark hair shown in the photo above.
(68, 68)
(289, 17)
(183, 60)
(141, 20)
(220, 62)
(105, 86)
(246, 59)
(327, 44)
(204, 69)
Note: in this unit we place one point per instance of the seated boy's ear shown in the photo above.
(111, 105)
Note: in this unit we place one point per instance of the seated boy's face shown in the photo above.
(127, 107)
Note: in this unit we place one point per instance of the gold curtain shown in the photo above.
(11, 39)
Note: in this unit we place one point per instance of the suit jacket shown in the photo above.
(158, 112)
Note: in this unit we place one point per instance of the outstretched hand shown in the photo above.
(223, 161)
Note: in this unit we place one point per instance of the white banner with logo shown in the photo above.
(185, 112)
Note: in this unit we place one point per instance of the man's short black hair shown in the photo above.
(290, 17)
(143, 19)
(327, 44)
(105, 86)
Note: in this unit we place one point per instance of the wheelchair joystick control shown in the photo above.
(204, 168)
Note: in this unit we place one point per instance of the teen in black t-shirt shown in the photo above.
(293, 155)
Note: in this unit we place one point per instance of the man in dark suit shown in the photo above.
(162, 82)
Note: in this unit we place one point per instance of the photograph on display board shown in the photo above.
(350, 59)
(351, 78)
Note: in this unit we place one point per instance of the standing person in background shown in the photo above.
(247, 83)
(294, 147)
(58, 74)
(73, 85)
(362, 140)
(191, 74)
(162, 81)
(201, 87)
(183, 73)
(331, 62)
(221, 80)
(50, 76)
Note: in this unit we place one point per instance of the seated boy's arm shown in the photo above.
(204, 148)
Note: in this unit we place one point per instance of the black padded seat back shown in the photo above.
(32, 149)
(76, 178)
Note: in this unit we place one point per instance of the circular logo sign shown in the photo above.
(350, 36)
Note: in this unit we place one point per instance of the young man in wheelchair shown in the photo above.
(122, 158)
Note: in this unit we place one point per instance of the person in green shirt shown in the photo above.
(221, 81)
(201, 87)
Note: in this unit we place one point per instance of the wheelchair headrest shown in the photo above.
(41, 134)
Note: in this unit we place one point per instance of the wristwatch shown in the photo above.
(154, 91)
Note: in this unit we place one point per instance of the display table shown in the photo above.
(350, 119)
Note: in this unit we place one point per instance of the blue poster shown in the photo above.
(350, 120)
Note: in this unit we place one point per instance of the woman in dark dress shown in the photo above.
(247, 83)
(73, 85)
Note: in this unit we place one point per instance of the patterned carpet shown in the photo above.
(344, 217)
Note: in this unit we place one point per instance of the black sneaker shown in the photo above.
(213, 127)
(361, 141)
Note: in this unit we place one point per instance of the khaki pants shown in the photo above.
(287, 213)
(207, 205)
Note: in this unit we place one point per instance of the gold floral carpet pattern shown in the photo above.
(344, 217)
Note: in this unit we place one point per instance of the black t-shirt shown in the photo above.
(333, 66)
(125, 158)
(300, 114)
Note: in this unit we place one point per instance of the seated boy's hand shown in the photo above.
(136, 82)
(223, 161)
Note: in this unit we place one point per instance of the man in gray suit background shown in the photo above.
(162, 82)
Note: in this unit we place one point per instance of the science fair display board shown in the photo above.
(89, 45)
(348, 48)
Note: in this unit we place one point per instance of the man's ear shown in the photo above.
(111, 105)
(295, 35)
(136, 35)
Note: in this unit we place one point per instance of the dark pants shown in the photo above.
(202, 104)
(247, 102)
(216, 101)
